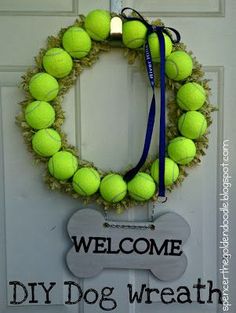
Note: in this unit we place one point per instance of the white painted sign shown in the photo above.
(98, 244)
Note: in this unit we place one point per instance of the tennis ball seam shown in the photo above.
(51, 91)
(75, 29)
(44, 126)
(50, 135)
(182, 124)
(74, 165)
(154, 171)
(34, 108)
(117, 195)
(136, 195)
(37, 151)
(184, 105)
(200, 89)
(177, 70)
(106, 178)
(53, 169)
(173, 173)
(134, 40)
(78, 185)
(149, 179)
(95, 174)
(200, 131)
(37, 76)
(95, 35)
(48, 54)
(51, 121)
(177, 140)
(76, 51)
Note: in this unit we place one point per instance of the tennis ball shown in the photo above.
(44, 87)
(142, 187)
(46, 142)
(192, 124)
(179, 65)
(113, 188)
(191, 96)
(133, 34)
(171, 171)
(62, 165)
(86, 181)
(39, 114)
(182, 150)
(97, 24)
(155, 46)
(76, 42)
(57, 62)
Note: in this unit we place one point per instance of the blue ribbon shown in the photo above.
(159, 30)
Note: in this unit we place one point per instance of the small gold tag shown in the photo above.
(116, 27)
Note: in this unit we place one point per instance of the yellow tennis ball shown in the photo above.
(179, 65)
(62, 165)
(76, 42)
(97, 24)
(142, 187)
(191, 96)
(134, 34)
(46, 142)
(182, 150)
(155, 46)
(171, 171)
(39, 114)
(192, 124)
(113, 188)
(86, 181)
(43, 86)
(57, 62)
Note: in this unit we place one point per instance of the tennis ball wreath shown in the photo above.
(155, 46)
(134, 34)
(39, 114)
(191, 96)
(192, 124)
(171, 171)
(57, 62)
(43, 86)
(62, 165)
(97, 24)
(182, 150)
(54, 74)
(142, 187)
(76, 42)
(46, 142)
(179, 65)
(86, 181)
(113, 188)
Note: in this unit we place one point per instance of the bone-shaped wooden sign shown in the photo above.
(98, 244)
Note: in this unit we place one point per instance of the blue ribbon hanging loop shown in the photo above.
(160, 31)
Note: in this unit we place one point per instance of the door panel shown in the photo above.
(181, 8)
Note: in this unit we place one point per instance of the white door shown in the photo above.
(34, 239)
